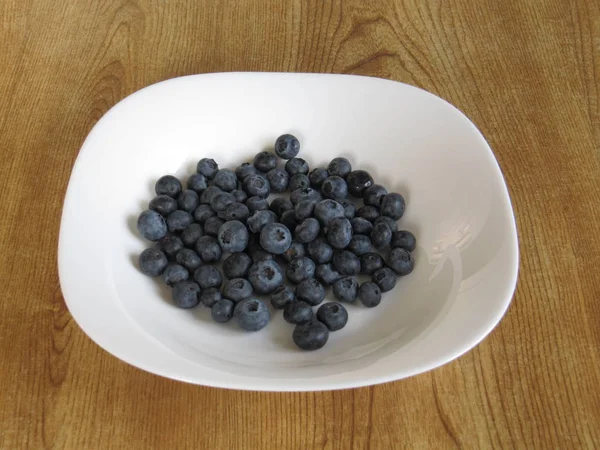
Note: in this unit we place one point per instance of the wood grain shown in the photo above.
(527, 73)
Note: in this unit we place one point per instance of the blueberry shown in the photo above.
(298, 312)
(320, 251)
(265, 276)
(179, 220)
(185, 294)
(392, 205)
(361, 226)
(307, 231)
(163, 204)
(310, 336)
(188, 258)
(287, 146)
(152, 225)
(370, 263)
(209, 297)
(153, 262)
(304, 194)
(381, 235)
(346, 262)
(237, 211)
(170, 245)
(261, 255)
(237, 289)
(197, 183)
(222, 310)
(221, 200)
(275, 238)
(296, 165)
(370, 213)
(326, 274)
(243, 170)
(191, 234)
(385, 279)
(317, 176)
(168, 185)
(278, 180)
(288, 218)
(265, 161)
(175, 273)
(282, 296)
(400, 261)
(298, 181)
(208, 277)
(359, 244)
(280, 205)
(203, 212)
(252, 314)
(257, 204)
(209, 249)
(333, 315)
(346, 289)
(369, 294)
(296, 250)
(233, 236)
(257, 185)
(358, 181)
(225, 180)
(207, 167)
(403, 239)
(212, 225)
(304, 209)
(339, 233)
(373, 195)
(349, 208)
(239, 195)
(334, 187)
(340, 167)
(310, 291)
(259, 219)
(388, 221)
(208, 194)
(237, 265)
(300, 269)
(327, 210)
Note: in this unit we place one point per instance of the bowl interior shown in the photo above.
(410, 141)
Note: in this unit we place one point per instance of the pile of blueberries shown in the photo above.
(317, 234)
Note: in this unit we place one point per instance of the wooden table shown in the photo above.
(527, 73)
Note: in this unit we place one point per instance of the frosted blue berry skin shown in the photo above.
(152, 262)
(251, 314)
(168, 185)
(233, 236)
(298, 312)
(186, 294)
(265, 276)
(207, 167)
(333, 315)
(222, 310)
(369, 294)
(275, 238)
(310, 336)
(151, 225)
(282, 296)
(346, 289)
(287, 146)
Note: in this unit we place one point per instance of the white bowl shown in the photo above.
(411, 142)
